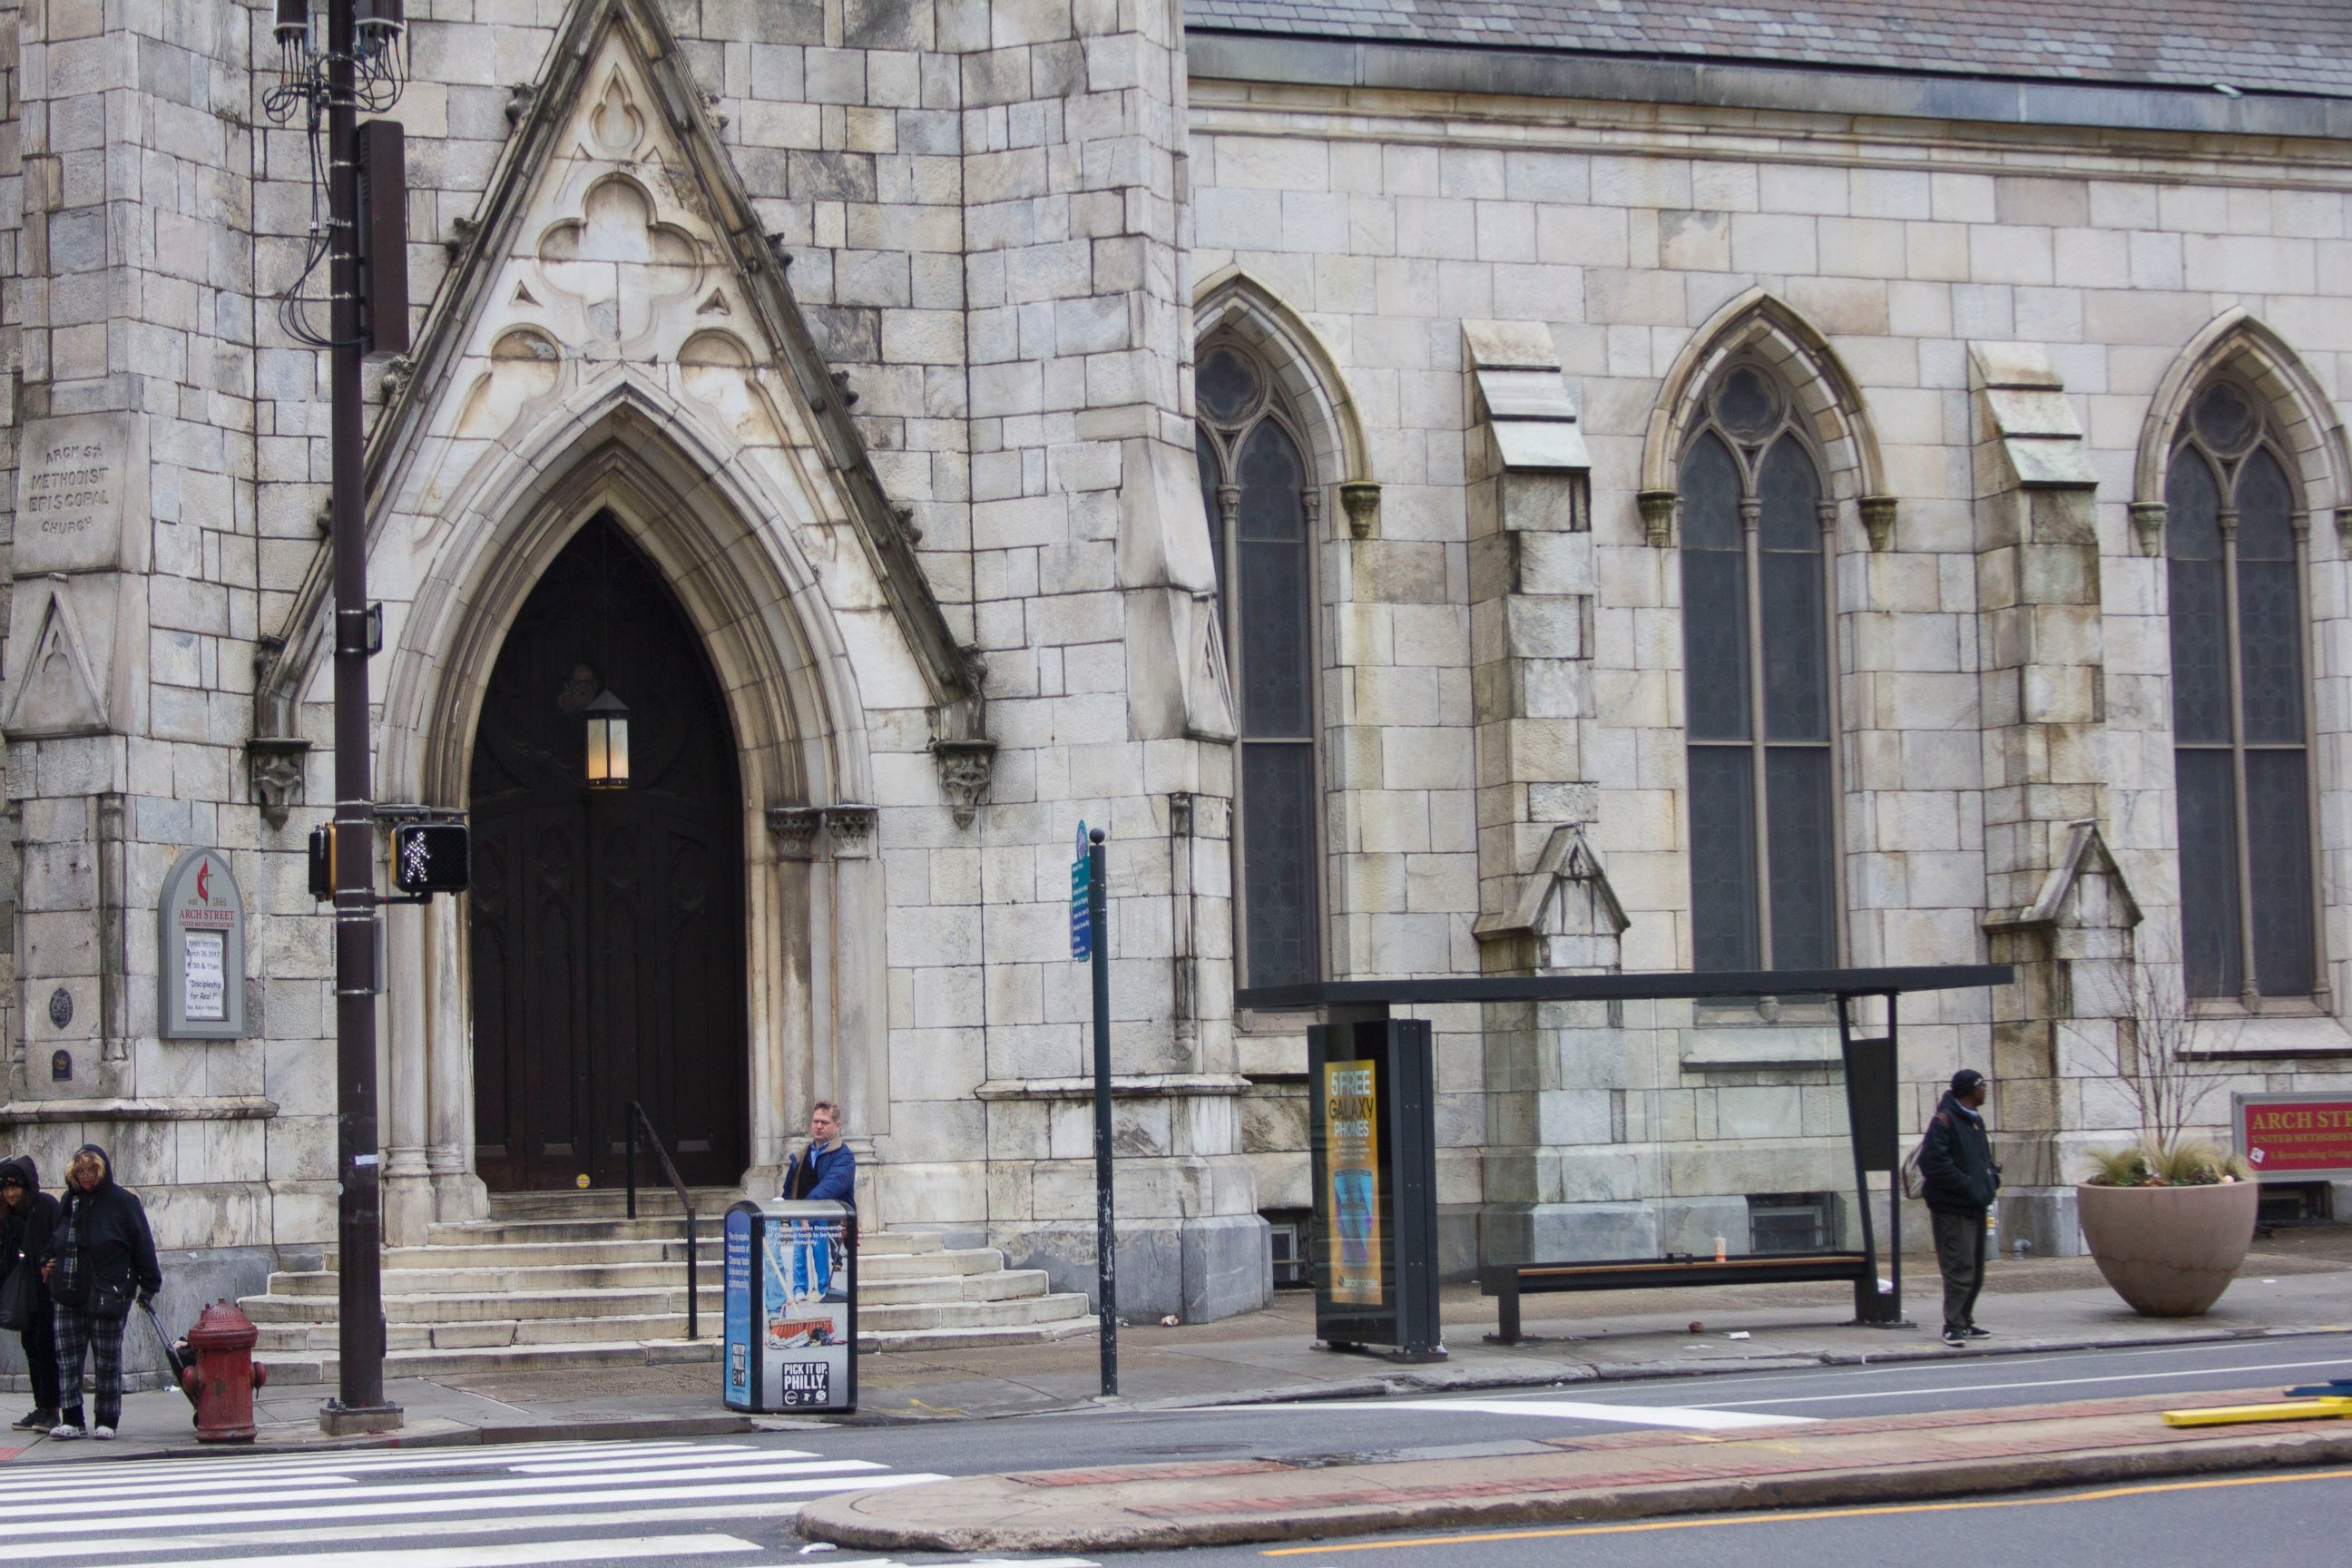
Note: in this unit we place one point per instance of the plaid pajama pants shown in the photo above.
(102, 1337)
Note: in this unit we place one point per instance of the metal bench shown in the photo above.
(1507, 1282)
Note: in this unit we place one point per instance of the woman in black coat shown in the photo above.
(28, 1217)
(101, 1256)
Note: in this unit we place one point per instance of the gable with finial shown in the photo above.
(1566, 918)
(2085, 889)
(616, 252)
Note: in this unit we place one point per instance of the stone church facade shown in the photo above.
(1671, 490)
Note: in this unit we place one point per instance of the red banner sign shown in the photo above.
(2295, 1135)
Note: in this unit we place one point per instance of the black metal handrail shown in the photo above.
(640, 1123)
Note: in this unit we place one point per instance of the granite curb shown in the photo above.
(1014, 1513)
(1407, 1384)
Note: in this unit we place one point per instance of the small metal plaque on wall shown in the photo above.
(200, 919)
(61, 1007)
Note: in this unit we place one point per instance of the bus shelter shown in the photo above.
(1372, 1101)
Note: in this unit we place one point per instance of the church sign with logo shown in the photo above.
(202, 916)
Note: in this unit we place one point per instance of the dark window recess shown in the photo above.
(1258, 490)
(1290, 1233)
(1793, 1222)
(1756, 641)
(2295, 1203)
(2241, 758)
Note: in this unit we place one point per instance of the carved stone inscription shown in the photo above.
(78, 478)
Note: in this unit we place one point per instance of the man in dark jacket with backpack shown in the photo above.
(28, 1217)
(102, 1258)
(1956, 1166)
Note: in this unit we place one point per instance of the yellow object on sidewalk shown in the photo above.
(2283, 1410)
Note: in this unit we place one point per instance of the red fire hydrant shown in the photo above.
(224, 1376)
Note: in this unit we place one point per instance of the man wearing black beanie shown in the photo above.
(1955, 1165)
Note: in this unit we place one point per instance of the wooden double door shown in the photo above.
(607, 925)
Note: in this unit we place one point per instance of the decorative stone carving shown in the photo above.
(1180, 814)
(275, 764)
(1658, 517)
(795, 829)
(964, 768)
(57, 691)
(1879, 521)
(849, 830)
(1566, 918)
(2148, 525)
(396, 369)
(1360, 500)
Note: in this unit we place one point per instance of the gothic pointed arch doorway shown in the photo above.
(606, 926)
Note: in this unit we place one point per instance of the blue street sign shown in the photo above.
(1082, 929)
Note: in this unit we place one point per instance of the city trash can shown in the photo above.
(792, 1307)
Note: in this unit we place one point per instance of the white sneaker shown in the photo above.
(104, 1434)
(65, 1430)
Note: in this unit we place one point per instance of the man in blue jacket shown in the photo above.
(1957, 1168)
(826, 1170)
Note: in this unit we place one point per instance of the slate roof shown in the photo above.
(2301, 46)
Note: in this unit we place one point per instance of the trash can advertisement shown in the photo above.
(792, 1323)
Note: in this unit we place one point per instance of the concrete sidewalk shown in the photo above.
(2293, 1286)
(1612, 1476)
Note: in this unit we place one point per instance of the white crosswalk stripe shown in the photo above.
(577, 1503)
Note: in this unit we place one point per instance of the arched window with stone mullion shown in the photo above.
(1259, 492)
(2234, 543)
(1756, 644)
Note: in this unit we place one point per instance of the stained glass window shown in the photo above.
(2241, 763)
(1756, 640)
(1259, 491)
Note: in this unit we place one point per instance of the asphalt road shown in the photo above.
(728, 1503)
(2290, 1519)
(1391, 1429)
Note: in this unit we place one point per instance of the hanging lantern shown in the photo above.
(608, 743)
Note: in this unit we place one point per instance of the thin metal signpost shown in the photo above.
(1091, 941)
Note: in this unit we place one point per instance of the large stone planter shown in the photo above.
(2169, 1252)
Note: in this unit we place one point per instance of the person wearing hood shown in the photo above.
(28, 1217)
(100, 1257)
(1955, 1165)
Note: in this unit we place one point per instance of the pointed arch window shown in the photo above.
(2234, 540)
(1259, 492)
(1756, 646)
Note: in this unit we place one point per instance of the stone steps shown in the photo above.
(291, 1366)
(558, 1281)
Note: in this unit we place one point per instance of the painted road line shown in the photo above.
(146, 1497)
(508, 1554)
(424, 1506)
(1808, 1516)
(2039, 1383)
(13, 1551)
(102, 1472)
(119, 1484)
(699, 1457)
(1691, 1417)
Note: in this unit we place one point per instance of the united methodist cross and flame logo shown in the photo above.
(203, 877)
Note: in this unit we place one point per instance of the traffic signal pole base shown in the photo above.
(337, 1419)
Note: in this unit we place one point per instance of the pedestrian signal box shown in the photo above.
(322, 862)
(430, 858)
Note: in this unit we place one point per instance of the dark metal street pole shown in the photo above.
(1106, 1243)
(359, 1215)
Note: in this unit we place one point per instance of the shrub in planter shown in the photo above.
(2168, 1226)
